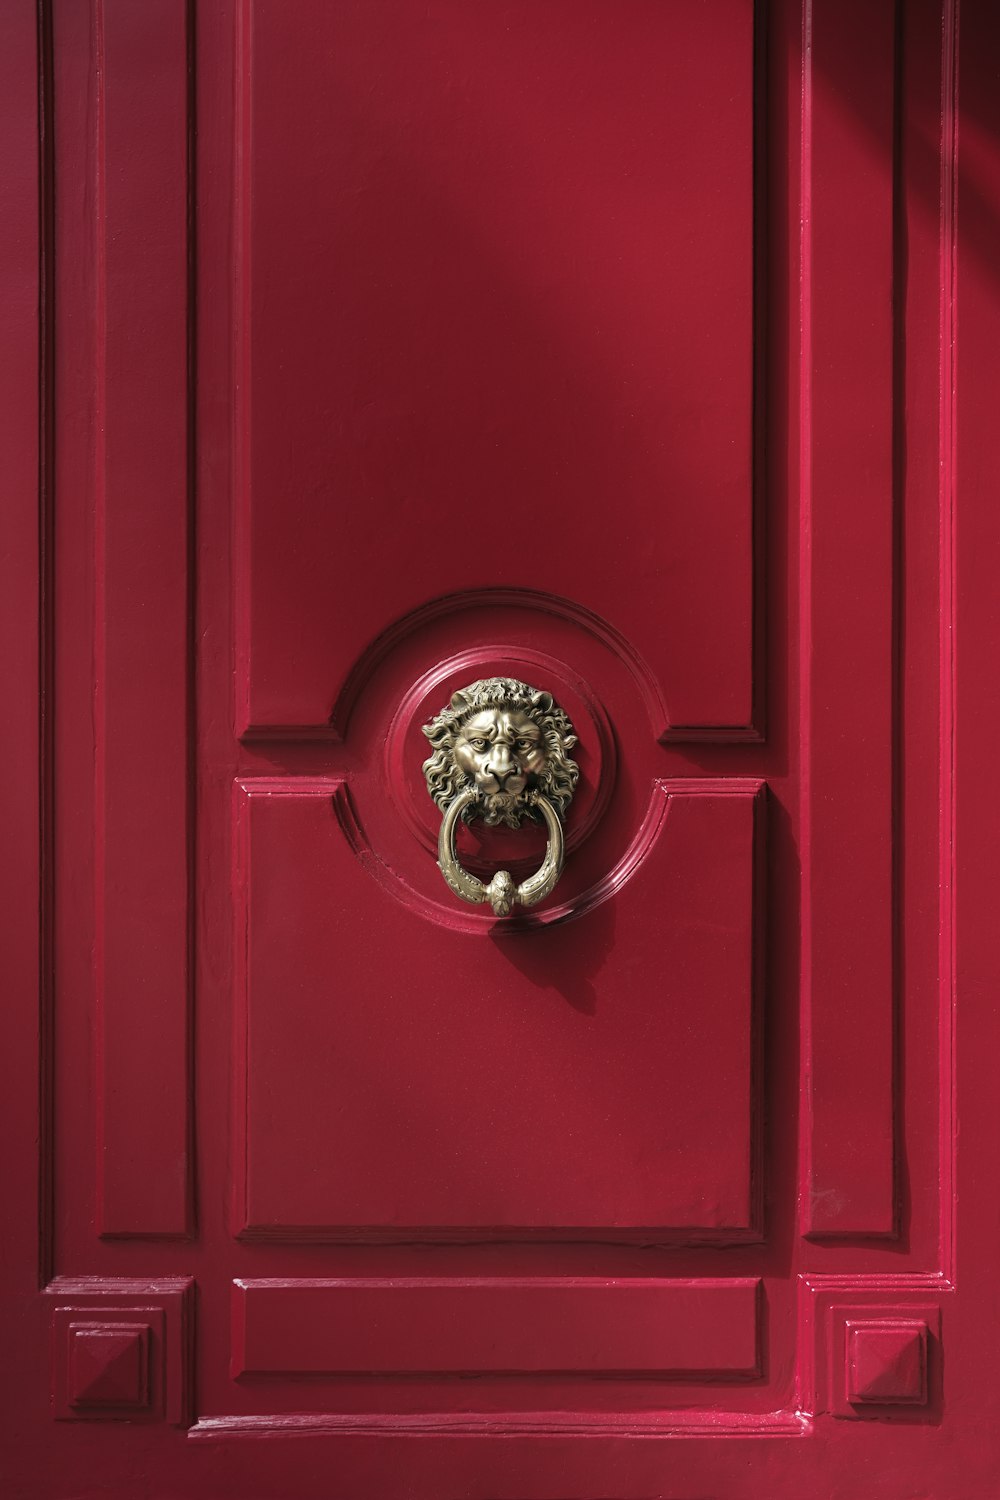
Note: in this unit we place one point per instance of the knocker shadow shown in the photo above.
(565, 958)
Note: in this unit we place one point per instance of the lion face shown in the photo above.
(506, 741)
(501, 751)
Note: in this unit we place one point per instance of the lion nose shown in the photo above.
(500, 764)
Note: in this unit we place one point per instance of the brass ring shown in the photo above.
(501, 893)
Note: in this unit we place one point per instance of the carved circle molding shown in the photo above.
(401, 682)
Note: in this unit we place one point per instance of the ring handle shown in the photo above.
(501, 893)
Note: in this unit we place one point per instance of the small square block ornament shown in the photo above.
(887, 1362)
(109, 1365)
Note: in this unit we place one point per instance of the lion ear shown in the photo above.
(543, 701)
(459, 700)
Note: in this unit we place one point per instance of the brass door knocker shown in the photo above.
(501, 752)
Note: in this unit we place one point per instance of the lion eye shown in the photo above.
(525, 744)
(478, 744)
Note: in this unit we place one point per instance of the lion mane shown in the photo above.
(558, 780)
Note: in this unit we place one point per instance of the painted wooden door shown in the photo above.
(643, 352)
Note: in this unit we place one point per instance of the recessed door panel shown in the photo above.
(494, 278)
(590, 1076)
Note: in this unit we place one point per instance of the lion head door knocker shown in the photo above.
(501, 752)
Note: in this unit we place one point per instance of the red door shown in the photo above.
(594, 402)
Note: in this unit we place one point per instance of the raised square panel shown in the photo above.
(495, 326)
(871, 1347)
(121, 1349)
(882, 1359)
(109, 1365)
(109, 1362)
(887, 1362)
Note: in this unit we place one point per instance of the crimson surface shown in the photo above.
(647, 351)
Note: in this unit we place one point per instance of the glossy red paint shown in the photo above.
(649, 352)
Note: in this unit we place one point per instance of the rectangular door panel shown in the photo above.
(596, 1075)
(481, 344)
(497, 1324)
